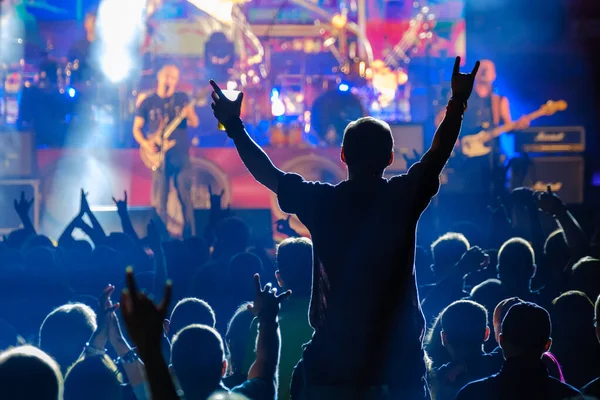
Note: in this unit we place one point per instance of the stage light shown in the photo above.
(277, 105)
(343, 87)
(71, 92)
(116, 64)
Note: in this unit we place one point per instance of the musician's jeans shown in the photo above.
(181, 176)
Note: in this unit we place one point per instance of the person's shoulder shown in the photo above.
(256, 389)
(561, 388)
(592, 388)
(478, 389)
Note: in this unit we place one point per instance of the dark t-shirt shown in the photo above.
(364, 304)
(154, 109)
(592, 388)
(519, 379)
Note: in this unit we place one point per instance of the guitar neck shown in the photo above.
(494, 133)
(173, 124)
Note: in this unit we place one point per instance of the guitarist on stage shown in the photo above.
(487, 110)
(153, 114)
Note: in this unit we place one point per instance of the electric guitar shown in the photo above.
(475, 145)
(160, 138)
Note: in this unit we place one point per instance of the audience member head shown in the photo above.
(446, 251)
(436, 353)
(526, 331)
(93, 378)
(516, 265)
(367, 147)
(471, 231)
(294, 265)
(242, 268)
(488, 293)
(586, 277)
(65, 331)
(231, 237)
(500, 312)
(28, 373)
(198, 360)
(189, 311)
(464, 328)
(557, 252)
(237, 338)
(571, 315)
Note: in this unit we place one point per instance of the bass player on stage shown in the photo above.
(483, 176)
(153, 115)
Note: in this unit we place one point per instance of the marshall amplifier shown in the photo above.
(565, 175)
(558, 139)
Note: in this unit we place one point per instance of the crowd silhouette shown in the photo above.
(358, 311)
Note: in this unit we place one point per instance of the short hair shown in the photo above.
(65, 331)
(368, 144)
(197, 355)
(502, 309)
(464, 323)
(572, 311)
(190, 311)
(449, 248)
(527, 327)
(294, 262)
(585, 276)
(516, 259)
(93, 377)
(28, 373)
(168, 66)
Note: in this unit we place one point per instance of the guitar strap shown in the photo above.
(496, 109)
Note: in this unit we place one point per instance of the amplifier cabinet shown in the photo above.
(10, 189)
(17, 154)
(565, 175)
(557, 139)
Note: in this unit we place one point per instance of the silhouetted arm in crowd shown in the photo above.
(447, 133)
(284, 227)
(500, 227)
(144, 323)
(266, 308)
(97, 233)
(216, 215)
(527, 198)
(575, 236)
(160, 261)
(123, 212)
(253, 157)
(22, 207)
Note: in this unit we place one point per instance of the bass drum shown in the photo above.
(312, 167)
(331, 113)
(204, 173)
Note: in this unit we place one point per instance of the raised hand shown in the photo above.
(462, 84)
(144, 319)
(410, 160)
(523, 196)
(473, 260)
(549, 202)
(121, 204)
(105, 311)
(283, 227)
(22, 206)
(84, 205)
(266, 301)
(224, 109)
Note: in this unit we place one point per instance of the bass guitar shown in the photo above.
(475, 145)
(160, 138)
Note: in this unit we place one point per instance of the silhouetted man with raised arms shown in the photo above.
(364, 304)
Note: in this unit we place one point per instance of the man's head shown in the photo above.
(168, 77)
(28, 373)
(93, 378)
(486, 73)
(500, 312)
(89, 23)
(526, 331)
(198, 359)
(294, 265)
(189, 311)
(516, 264)
(586, 276)
(368, 146)
(447, 251)
(464, 327)
(65, 331)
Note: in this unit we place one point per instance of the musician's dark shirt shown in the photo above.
(480, 115)
(154, 109)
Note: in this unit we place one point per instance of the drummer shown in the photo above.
(84, 53)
